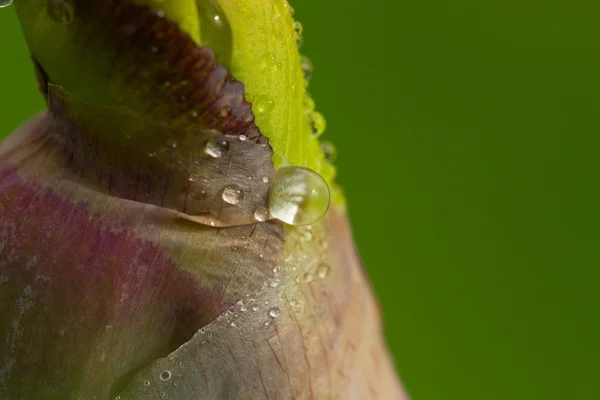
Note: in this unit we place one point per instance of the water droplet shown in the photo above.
(261, 214)
(264, 104)
(210, 335)
(215, 30)
(61, 11)
(308, 277)
(307, 68)
(216, 148)
(318, 123)
(265, 179)
(298, 196)
(274, 312)
(232, 194)
(203, 330)
(232, 324)
(146, 383)
(277, 270)
(329, 150)
(171, 144)
(293, 302)
(243, 308)
(299, 29)
(323, 270)
(5, 3)
(165, 375)
(243, 138)
(162, 394)
(255, 308)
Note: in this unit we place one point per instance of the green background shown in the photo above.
(467, 140)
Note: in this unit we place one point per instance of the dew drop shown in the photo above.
(216, 148)
(243, 138)
(203, 330)
(299, 29)
(255, 308)
(277, 270)
(308, 277)
(307, 68)
(232, 324)
(243, 308)
(265, 179)
(165, 375)
(323, 270)
(5, 3)
(264, 104)
(274, 312)
(146, 383)
(318, 123)
(215, 30)
(293, 302)
(298, 196)
(171, 144)
(261, 214)
(232, 194)
(61, 11)
(329, 150)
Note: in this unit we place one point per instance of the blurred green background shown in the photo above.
(467, 134)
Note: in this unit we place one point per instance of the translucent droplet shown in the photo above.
(62, 11)
(5, 3)
(202, 330)
(216, 148)
(274, 312)
(232, 324)
(329, 150)
(215, 30)
(171, 144)
(323, 270)
(298, 196)
(146, 383)
(265, 179)
(308, 277)
(307, 68)
(298, 28)
(264, 104)
(293, 302)
(318, 123)
(243, 138)
(232, 194)
(243, 308)
(165, 375)
(261, 214)
(277, 270)
(255, 308)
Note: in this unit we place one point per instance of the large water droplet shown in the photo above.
(215, 30)
(232, 194)
(298, 196)
(5, 3)
(61, 10)
(274, 312)
(216, 148)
